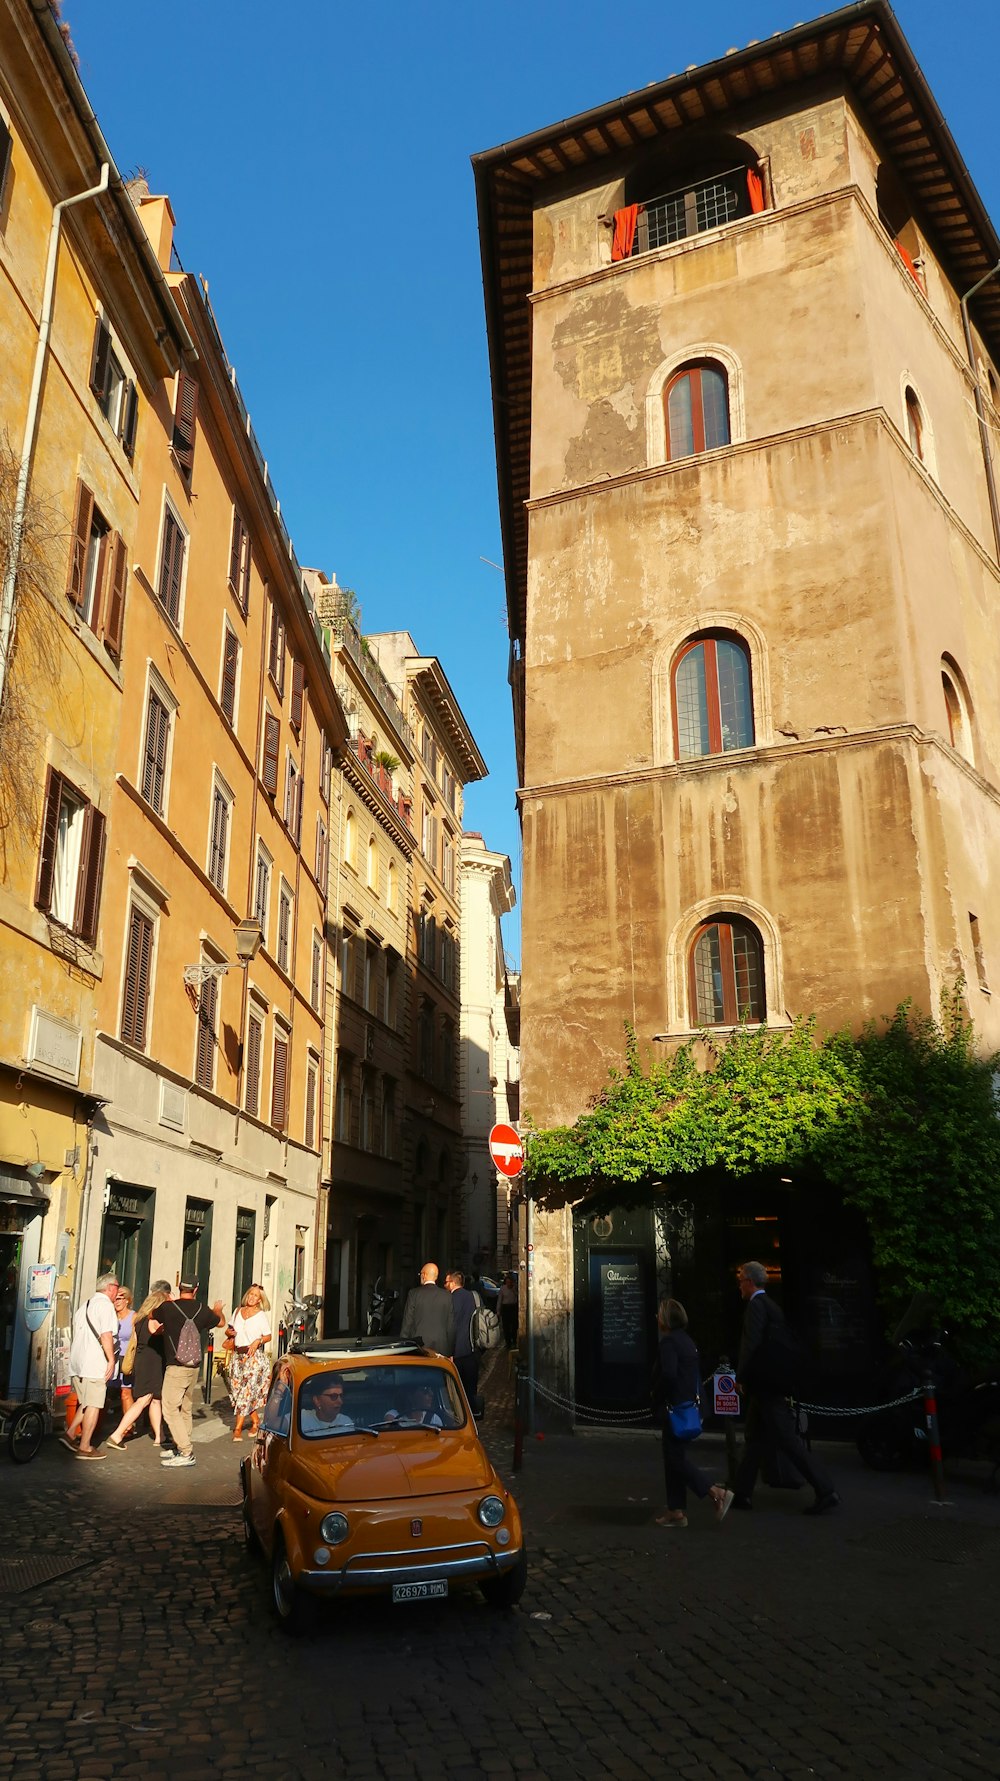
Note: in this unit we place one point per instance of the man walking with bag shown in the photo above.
(764, 1347)
(182, 1321)
(92, 1361)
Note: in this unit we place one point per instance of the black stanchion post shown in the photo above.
(206, 1390)
(519, 1382)
(933, 1436)
(282, 1338)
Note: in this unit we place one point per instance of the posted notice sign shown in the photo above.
(727, 1400)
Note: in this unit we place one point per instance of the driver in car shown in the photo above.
(322, 1406)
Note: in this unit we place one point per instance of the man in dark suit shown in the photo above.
(466, 1358)
(428, 1315)
(770, 1423)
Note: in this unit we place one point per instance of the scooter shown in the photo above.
(381, 1309)
(302, 1319)
(968, 1408)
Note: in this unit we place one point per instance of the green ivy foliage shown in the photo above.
(902, 1118)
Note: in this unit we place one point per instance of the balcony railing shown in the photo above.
(346, 637)
(383, 779)
(690, 210)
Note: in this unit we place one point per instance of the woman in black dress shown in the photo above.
(678, 1381)
(147, 1369)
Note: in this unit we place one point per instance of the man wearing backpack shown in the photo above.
(182, 1321)
(765, 1350)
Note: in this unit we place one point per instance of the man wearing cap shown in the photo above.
(182, 1321)
(91, 1362)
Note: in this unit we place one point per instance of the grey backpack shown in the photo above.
(189, 1344)
(484, 1329)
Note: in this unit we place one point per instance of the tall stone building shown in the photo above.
(745, 358)
(446, 760)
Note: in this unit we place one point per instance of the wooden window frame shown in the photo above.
(219, 825)
(156, 749)
(240, 558)
(297, 700)
(276, 650)
(727, 926)
(694, 370)
(185, 427)
(230, 673)
(90, 871)
(206, 1033)
(256, 1022)
(270, 753)
(708, 641)
(262, 907)
(173, 558)
(280, 1055)
(283, 939)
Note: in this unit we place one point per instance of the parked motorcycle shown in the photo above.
(302, 1319)
(968, 1408)
(381, 1308)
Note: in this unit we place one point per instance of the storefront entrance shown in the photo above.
(127, 1237)
(688, 1243)
(11, 1244)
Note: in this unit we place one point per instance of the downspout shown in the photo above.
(984, 436)
(31, 422)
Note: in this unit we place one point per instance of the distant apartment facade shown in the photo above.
(489, 1059)
(745, 348)
(371, 853)
(446, 759)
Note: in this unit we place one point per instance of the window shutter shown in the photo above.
(298, 688)
(135, 1003)
(154, 766)
(235, 552)
(5, 152)
(217, 846)
(100, 364)
(230, 658)
(114, 623)
(185, 419)
(279, 1084)
(88, 896)
(255, 1034)
(130, 422)
(171, 566)
(310, 1108)
(50, 830)
(208, 1001)
(297, 813)
(81, 539)
(272, 738)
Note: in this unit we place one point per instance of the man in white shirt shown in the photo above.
(322, 1408)
(91, 1363)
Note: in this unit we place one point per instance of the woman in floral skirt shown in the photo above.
(249, 1366)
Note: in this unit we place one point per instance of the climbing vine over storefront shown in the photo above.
(902, 1119)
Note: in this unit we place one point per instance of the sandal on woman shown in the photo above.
(673, 1518)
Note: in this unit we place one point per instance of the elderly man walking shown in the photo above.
(92, 1361)
(428, 1315)
(770, 1424)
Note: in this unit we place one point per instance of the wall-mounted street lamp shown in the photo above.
(247, 935)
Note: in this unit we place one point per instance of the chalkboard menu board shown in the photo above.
(623, 1312)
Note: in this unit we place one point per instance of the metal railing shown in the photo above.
(692, 209)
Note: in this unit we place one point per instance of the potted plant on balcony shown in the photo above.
(386, 764)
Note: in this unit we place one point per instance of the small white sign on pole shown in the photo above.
(727, 1399)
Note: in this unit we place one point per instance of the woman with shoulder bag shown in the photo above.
(142, 1362)
(675, 1397)
(248, 1368)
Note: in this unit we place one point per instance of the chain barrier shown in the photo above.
(590, 1412)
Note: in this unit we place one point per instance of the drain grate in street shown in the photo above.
(613, 1514)
(936, 1537)
(20, 1574)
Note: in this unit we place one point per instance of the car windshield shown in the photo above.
(378, 1398)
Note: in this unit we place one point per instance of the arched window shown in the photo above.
(713, 703)
(726, 973)
(372, 864)
(956, 707)
(914, 423)
(390, 887)
(696, 410)
(350, 838)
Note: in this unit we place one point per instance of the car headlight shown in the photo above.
(334, 1528)
(491, 1511)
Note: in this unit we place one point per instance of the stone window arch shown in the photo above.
(681, 382)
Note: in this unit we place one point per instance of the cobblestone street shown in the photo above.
(138, 1640)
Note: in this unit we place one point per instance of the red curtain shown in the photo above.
(755, 187)
(908, 263)
(624, 235)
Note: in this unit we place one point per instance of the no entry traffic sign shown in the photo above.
(506, 1150)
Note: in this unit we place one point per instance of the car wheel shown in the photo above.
(506, 1591)
(24, 1436)
(295, 1609)
(250, 1539)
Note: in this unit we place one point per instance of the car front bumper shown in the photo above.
(359, 1575)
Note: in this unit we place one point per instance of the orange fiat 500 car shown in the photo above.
(368, 1476)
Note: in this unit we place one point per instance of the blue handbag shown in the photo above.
(684, 1421)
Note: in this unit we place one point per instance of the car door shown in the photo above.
(269, 1460)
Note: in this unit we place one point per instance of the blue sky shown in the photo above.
(317, 159)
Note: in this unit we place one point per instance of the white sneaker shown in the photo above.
(179, 1459)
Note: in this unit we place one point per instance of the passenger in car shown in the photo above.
(321, 1406)
(418, 1406)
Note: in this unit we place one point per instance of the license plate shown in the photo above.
(418, 1592)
